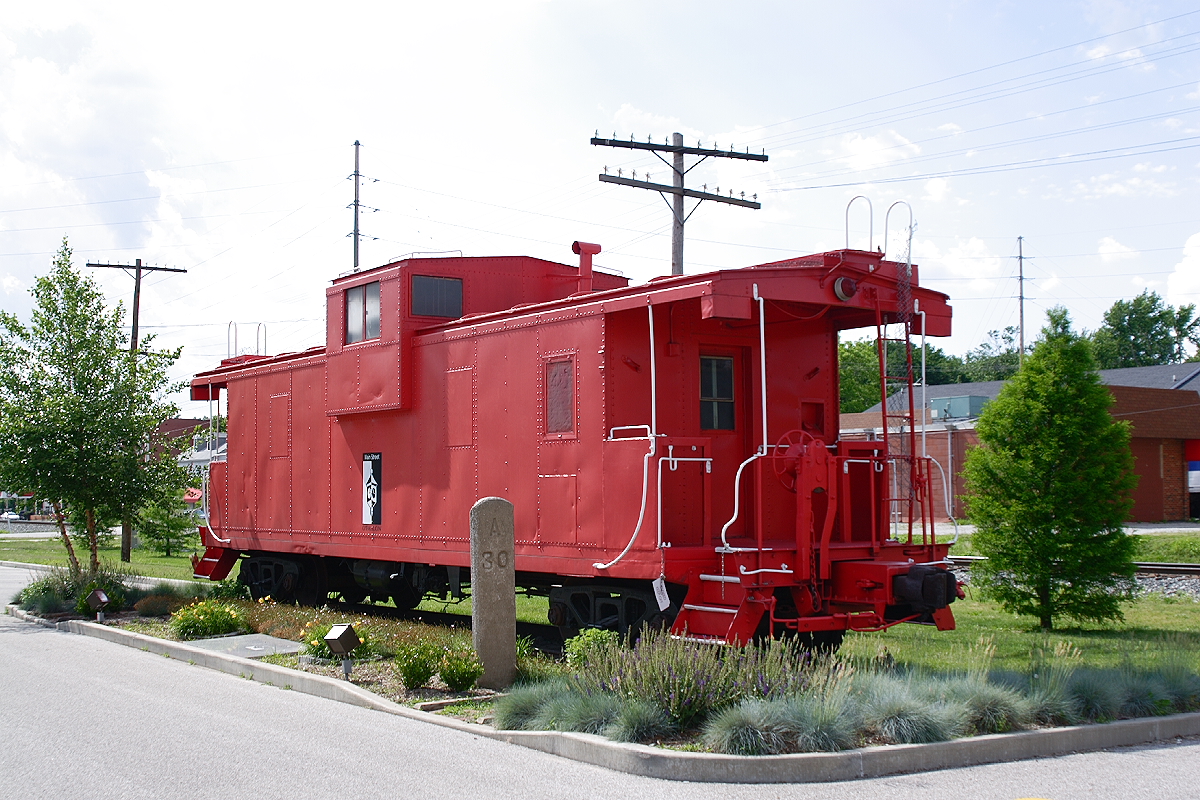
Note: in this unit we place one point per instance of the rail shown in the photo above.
(1143, 567)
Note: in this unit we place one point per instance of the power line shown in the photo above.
(1013, 166)
(979, 70)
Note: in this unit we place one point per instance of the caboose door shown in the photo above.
(684, 473)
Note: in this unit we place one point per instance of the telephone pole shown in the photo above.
(1021, 300)
(357, 178)
(357, 175)
(678, 171)
(138, 268)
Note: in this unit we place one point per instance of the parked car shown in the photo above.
(10, 515)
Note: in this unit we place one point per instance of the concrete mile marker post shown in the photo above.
(494, 591)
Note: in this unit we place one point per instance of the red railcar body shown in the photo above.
(683, 430)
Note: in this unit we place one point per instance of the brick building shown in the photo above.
(1161, 403)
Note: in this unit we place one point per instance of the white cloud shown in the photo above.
(11, 283)
(937, 190)
(868, 152)
(1111, 250)
(951, 127)
(1194, 95)
(1099, 51)
(1111, 185)
(966, 259)
(1183, 284)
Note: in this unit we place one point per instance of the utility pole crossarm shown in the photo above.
(144, 268)
(672, 148)
(661, 187)
(678, 168)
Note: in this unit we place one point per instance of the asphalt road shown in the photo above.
(81, 718)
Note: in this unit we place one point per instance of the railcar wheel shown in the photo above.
(267, 576)
(313, 589)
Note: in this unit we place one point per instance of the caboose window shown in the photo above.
(560, 397)
(436, 297)
(716, 393)
(362, 313)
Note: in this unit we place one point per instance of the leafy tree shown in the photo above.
(1145, 331)
(78, 411)
(996, 359)
(166, 525)
(858, 371)
(1050, 486)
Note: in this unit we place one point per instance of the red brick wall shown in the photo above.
(1175, 489)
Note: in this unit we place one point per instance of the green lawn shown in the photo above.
(1154, 626)
(529, 609)
(51, 551)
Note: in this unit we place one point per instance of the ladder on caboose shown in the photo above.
(907, 501)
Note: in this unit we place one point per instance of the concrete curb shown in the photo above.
(653, 762)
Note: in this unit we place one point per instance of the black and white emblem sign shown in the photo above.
(372, 477)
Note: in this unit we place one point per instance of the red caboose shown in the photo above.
(683, 430)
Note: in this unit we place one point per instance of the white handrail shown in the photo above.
(764, 447)
(652, 436)
(671, 459)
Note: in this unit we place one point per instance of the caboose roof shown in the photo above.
(804, 281)
(731, 291)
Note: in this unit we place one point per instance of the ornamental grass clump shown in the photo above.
(207, 618)
(750, 728)
(516, 710)
(1095, 695)
(1049, 687)
(639, 721)
(582, 713)
(1143, 694)
(824, 719)
(989, 707)
(893, 713)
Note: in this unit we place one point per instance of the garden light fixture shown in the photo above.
(342, 640)
(97, 600)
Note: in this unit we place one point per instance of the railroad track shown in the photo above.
(1143, 567)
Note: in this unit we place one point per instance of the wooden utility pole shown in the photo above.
(677, 188)
(138, 268)
(1021, 301)
(357, 177)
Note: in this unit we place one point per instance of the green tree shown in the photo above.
(166, 525)
(996, 359)
(1050, 486)
(78, 411)
(1145, 331)
(858, 371)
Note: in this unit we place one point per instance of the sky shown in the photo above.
(219, 139)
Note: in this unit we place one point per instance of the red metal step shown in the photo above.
(215, 564)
